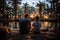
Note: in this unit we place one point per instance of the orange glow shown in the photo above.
(45, 23)
(46, 16)
(7, 30)
(32, 16)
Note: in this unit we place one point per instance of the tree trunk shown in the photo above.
(40, 10)
(15, 11)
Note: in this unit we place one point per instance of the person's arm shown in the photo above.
(33, 26)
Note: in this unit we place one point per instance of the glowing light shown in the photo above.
(46, 24)
(32, 16)
(46, 16)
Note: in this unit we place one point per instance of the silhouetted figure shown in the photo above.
(36, 25)
(24, 24)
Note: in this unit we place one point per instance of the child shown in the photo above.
(36, 25)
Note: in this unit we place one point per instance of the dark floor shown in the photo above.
(32, 36)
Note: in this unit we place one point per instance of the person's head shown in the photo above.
(26, 15)
(37, 18)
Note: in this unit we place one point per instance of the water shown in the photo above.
(44, 25)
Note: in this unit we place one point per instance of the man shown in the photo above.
(24, 24)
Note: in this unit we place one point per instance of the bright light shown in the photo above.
(46, 16)
(46, 24)
(32, 16)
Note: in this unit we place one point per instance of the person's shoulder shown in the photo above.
(34, 22)
(21, 19)
(27, 19)
(39, 21)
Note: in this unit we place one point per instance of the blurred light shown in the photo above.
(17, 16)
(46, 16)
(7, 30)
(45, 23)
(32, 16)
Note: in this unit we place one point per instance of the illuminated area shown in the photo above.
(45, 16)
(32, 16)
(45, 25)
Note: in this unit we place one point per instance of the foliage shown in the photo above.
(40, 4)
(33, 9)
(20, 10)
